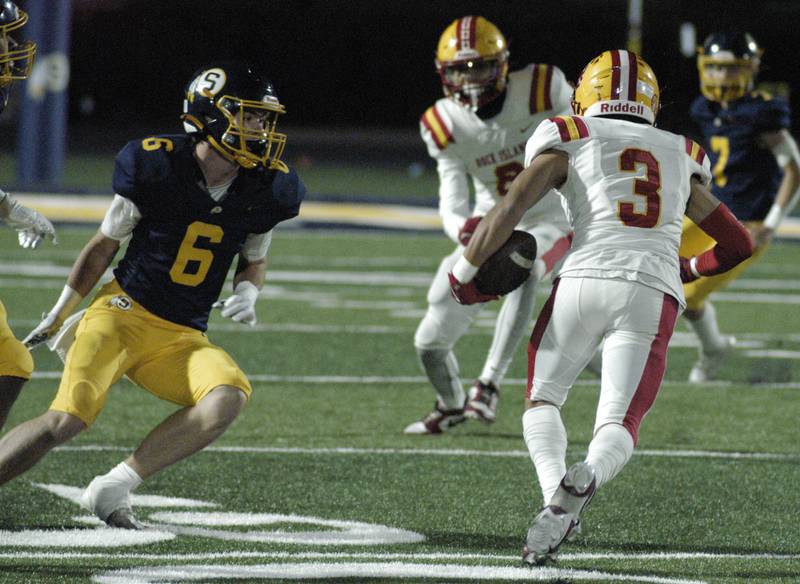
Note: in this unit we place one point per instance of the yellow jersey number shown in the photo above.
(189, 253)
(154, 143)
(722, 146)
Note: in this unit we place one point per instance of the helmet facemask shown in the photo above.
(474, 82)
(726, 78)
(250, 137)
(16, 59)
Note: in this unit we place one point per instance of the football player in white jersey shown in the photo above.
(478, 131)
(627, 186)
(16, 61)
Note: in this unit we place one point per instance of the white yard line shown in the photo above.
(347, 451)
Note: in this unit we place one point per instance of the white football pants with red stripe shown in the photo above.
(636, 322)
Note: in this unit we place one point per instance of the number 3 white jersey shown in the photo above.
(492, 151)
(626, 193)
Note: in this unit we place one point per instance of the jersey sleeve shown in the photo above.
(699, 162)
(546, 136)
(288, 192)
(124, 181)
(454, 208)
(772, 115)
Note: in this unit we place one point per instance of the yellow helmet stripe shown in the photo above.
(540, 89)
(434, 124)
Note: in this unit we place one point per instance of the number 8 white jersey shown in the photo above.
(492, 151)
(626, 193)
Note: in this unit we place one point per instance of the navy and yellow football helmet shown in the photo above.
(16, 58)
(728, 63)
(236, 110)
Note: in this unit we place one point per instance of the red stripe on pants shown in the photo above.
(653, 373)
(536, 336)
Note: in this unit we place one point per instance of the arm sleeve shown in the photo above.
(256, 246)
(120, 219)
(774, 114)
(734, 244)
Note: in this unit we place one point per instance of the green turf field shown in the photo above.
(316, 480)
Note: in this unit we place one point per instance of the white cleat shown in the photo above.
(436, 422)
(710, 362)
(110, 501)
(561, 517)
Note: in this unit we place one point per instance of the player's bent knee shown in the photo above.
(223, 405)
(62, 426)
(16, 360)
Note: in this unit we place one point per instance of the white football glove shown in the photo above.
(31, 225)
(241, 307)
(52, 321)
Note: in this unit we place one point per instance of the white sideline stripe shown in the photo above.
(666, 556)
(445, 452)
(419, 379)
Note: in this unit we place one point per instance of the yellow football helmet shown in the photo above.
(16, 58)
(617, 83)
(728, 64)
(472, 61)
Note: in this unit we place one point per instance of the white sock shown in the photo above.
(609, 452)
(707, 329)
(125, 475)
(546, 439)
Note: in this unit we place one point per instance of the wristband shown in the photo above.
(774, 217)
(67, 302)
(463, 270)
(693, 267)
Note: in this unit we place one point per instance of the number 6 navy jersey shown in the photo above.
(746, 176)
(185, 242)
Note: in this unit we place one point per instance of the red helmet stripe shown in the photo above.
(633, 76)
(615, 75)
(466, 32)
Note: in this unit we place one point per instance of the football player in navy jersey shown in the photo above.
(16, 61)
(190, 205)
(756, 169)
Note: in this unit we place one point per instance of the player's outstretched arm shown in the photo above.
(785, 150)
(31, 225)
(92, 262)
(734, 244)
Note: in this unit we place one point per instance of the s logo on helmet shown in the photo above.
(208, 83)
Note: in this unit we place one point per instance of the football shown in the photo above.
(509, 267)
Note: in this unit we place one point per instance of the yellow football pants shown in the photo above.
(15, 360)
(695, 241)
(118, 336)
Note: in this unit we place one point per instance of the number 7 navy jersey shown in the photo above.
(746, 175)
(183, 246)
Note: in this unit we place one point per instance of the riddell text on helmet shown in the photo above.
(630, 108)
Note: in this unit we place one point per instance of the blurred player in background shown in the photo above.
(16, 61)
(190, 205)
(478, 131)
(756, 169)
(627, 186)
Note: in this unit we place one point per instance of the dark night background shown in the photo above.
(340, 65)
